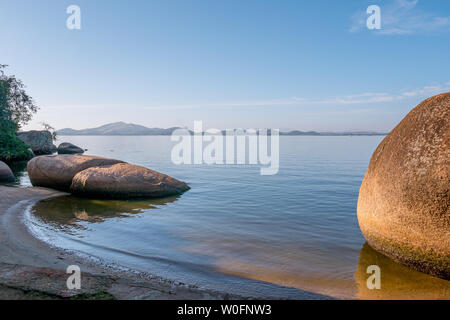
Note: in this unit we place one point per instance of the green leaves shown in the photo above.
(12, 148)
(16, 109)
(13, 97)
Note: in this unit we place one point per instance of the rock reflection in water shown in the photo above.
(397, 281)
(68, 211)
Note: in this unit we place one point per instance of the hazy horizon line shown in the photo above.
(284, 130)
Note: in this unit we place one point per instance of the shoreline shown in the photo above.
(32, 269)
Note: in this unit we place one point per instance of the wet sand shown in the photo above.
(31, 269)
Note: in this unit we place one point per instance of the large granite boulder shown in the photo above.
(403, 205)
(41, 142)
(123, 181)
(57, 171)
(6, 175)
(68, 148)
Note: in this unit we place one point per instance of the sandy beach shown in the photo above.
(31, 269)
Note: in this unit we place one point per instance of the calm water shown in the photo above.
(294, 230)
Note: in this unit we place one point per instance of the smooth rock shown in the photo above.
(403, 205)
(41, 142)
(6, 175)
(57, 171)
(69, 148)
(124, 181)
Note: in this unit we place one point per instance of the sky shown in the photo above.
(306, 65)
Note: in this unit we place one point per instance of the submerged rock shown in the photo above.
(41, 142)
(69, 148)
(6, 175)
(123, 181)
(403, 205)
(57, 171)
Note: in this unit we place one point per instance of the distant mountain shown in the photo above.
(130, 129)
(300, 133)
(117, 129)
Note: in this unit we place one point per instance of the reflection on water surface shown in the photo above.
(69, 210)
(397, 281)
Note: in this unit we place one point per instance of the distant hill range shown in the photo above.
(130, 129)
(117, 129)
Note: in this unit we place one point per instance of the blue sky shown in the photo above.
(308, 65)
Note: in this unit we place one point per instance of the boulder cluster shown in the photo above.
(92, 176)
(89, 176)
(41, 143)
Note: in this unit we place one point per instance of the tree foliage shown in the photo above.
(20, 105)
(16, 109)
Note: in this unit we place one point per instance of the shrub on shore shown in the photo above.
(12, 148)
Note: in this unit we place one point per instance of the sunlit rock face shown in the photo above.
(124, 181)
(403, 205)
(57, 171)
(91, 176)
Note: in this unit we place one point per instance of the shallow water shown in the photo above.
(296, 229)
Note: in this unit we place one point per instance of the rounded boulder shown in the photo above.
(403, 205)
(6, 175)
(125, 181)
(57, 171)
(69, 148)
